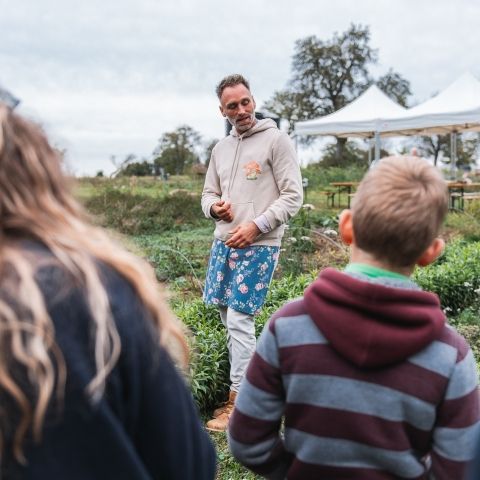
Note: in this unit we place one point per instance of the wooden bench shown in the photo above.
(472, 196)
(457, 198)
(329, 197)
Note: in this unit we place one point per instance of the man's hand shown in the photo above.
(222, 210)
(243, 235)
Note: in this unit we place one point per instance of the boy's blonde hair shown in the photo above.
(398, 209)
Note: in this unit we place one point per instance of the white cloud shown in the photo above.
(108, 78)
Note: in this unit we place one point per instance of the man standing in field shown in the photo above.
(252, 188)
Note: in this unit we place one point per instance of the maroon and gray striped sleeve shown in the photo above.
(419, 416)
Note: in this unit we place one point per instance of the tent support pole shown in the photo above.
(377, 146)
(453, 154)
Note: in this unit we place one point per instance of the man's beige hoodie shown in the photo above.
(258, 173)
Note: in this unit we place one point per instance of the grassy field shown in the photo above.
(162, 221)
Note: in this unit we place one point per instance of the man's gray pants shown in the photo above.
(241, 343)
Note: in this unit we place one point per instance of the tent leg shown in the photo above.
(377, 146)
(453, 155)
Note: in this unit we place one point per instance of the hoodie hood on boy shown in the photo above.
(370, 324)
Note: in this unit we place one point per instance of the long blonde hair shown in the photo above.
(36, 203)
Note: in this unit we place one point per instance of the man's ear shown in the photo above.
(222, 111)
(431, 253)
(345, 226)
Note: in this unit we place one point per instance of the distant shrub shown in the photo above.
(455, 277)
(320, 176)
(466, 222)
(135, 214)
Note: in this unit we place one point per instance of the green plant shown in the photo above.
(134, 214)
(300, 244)
(209, 370)
(209, 366)
(466, 221)
(455, 278)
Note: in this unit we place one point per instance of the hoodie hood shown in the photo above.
(369, 324)
(260, 126)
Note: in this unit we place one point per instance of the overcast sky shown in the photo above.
(110, 77)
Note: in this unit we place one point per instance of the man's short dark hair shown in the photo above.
(231, 81)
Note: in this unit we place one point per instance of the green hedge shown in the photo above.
(209, 373)
(136, 214)
(455, 277)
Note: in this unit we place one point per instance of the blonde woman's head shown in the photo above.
(36, 204)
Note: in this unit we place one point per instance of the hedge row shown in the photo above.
(455, 278)
(136, 214)
(210, 367)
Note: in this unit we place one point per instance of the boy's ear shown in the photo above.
(431, 253)
(345, 227)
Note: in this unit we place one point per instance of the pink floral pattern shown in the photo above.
(239, 278)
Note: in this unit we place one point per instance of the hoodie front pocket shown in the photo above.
(242, 213)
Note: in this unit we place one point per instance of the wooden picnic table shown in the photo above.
(461, 191)
(458, 193)
(344, 187)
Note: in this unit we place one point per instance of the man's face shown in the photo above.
(238, 106)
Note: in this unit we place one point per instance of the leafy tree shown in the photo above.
(139, 169)
(329, 74)
(176, 150)
(433, 146)
(395, 86)
(121, 164)
(208, 150)
(353, 154)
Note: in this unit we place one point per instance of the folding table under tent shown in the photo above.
(361, 118)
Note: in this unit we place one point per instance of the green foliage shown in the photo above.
(138, 169)
(455, 277)
(320, 176)
(395, 86)
(467, 145)
(352, 154)
(138, 214)
(179, 258)
(467, 221)
(210, 366)
(228, 468)
(467, 323)
(209, 371)
(329, 74)
(176, 150)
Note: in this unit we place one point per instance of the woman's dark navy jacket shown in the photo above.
(145, 426)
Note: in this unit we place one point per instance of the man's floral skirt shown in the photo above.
(239, 277)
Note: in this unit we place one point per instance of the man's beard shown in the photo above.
(252, 119)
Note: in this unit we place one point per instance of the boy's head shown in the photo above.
(398, 210)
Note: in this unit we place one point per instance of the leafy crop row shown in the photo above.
(455, 278)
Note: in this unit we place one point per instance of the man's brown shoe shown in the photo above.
(221, 415)
(227, 406)
(220, 423)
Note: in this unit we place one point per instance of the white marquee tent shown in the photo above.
(360, 118)
(455, 109)
(373, 114)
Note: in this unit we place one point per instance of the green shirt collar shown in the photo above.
(373, 272)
